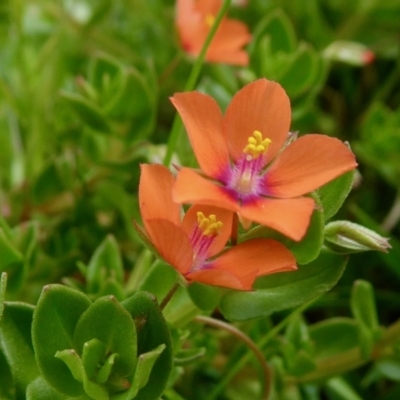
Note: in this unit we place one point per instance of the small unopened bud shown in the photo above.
(352, 53)
(347, 237)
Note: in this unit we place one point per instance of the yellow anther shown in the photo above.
(210, 226)
(209, 20)
(256, 145)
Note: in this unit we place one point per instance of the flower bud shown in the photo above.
(348, 52)
(348, 237)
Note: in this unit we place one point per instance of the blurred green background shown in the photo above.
(84, 89)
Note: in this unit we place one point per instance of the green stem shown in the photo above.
(250, 344)
(169, 295)
(233, 370)
(191, 82)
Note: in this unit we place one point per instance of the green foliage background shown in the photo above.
(84, 89)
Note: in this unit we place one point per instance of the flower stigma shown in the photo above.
(210, 226)
(256, 146)
(203, 235)
(245, 177)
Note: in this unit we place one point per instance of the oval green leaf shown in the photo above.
(107, 321)
(152, 332)
(285, 290)
(56, 315)
(16, 342)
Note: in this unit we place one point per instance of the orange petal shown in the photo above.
(306, 164)
(222, 278)
(231, 35)
(227, 44)
(190, 24)
(288, 216)
(203, 121)
(155, 194)
(225, 216)
(239, 57)
(261, 105)
(192, 188)
(265, 256)
(209, 7)
(172, 244)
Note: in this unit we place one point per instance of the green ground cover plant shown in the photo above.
(199, 199)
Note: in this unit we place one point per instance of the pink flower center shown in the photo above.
(202, 237)
(243, 181)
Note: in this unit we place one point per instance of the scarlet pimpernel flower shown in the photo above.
(194, 19)
(247, 166)
(192, 245)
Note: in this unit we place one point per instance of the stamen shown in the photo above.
(210, 226)
(256, 146)
(209, 20)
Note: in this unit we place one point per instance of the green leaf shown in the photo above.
(205, 297)
(333, 336)
(93, 354)
(75, 365)
(39, 389)
(16, 342)
(105, 371)
(56, 315)
(284, 290)
(102, 71)
(302, 73)
(363, 304)
(340, 389)
(389, 368)
(89, 113)
(301, 364)
(187, 356)
(142, 373)
(152, 282)
(280, 30)
(107, 321)
(106, 263)
(152, 332)
(6, 380)
(9, 254)
(135, 102)
(334, 193)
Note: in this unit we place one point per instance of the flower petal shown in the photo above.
(231, 35)
(306, 164)
(172, 244)
(203, 121)
(239, 57)
(288, 216)
(261, 105)
(209, 7)
(227, 44)
(222, 278)
(155, 194)
(265, 256)
(225, 216)
(191, 28)
(190, 187)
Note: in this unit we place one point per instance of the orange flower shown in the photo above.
(194, 19)
(190, 245)
(246, 165)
